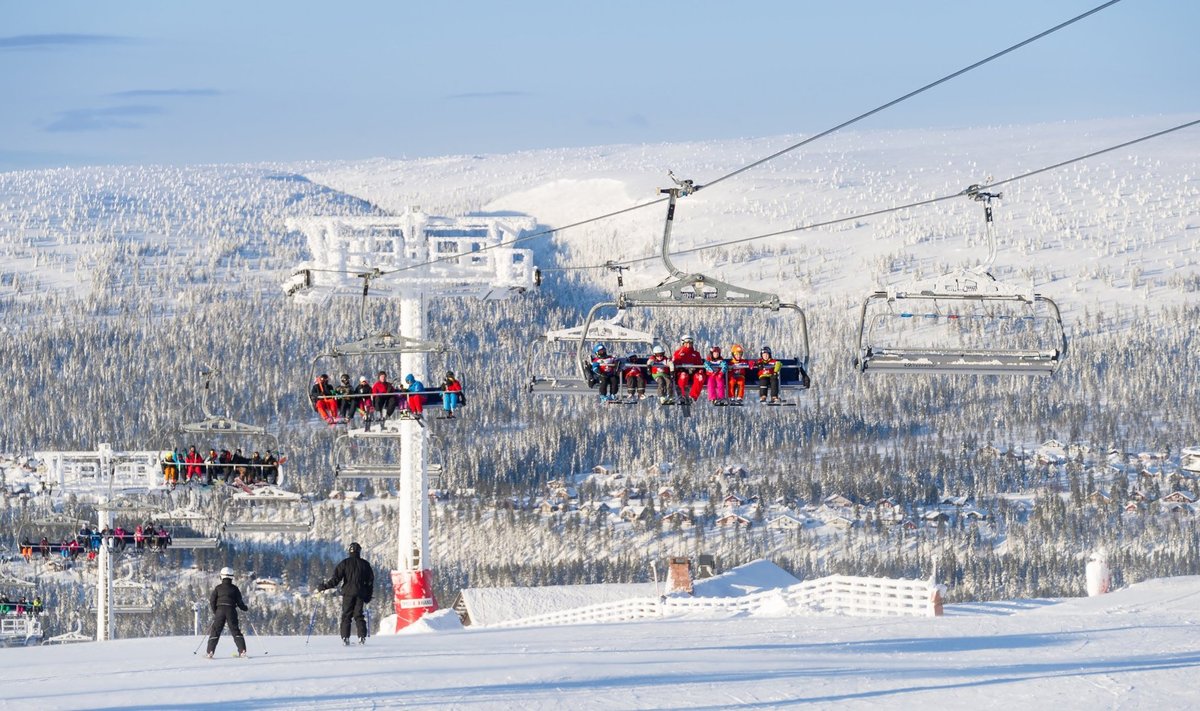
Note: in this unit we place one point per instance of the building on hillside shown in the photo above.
(1189, 459)
(268, 585)
(1178, 497)
(734, 520)
(595, 507)
(1099, 497)
(935, 518)
(1174, 507)
(786, 522)
(838, 501)
(636, 513)
(678, 516)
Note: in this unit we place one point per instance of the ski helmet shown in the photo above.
(226, 572)
(409, 378)
(354, 548)
(659, 350)
(685, 339)
(449, 375)
(736, 349)
(766, 349)
(599, 347)
(714, 349)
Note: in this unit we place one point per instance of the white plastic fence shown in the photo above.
(836, 594)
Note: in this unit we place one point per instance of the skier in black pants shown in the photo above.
(225, 602)
(358, 583)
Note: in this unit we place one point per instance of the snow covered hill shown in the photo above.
(1117, 229)
(1134, 648)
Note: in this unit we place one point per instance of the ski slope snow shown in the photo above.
(1133, 648)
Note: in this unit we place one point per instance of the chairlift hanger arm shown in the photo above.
(382, 343)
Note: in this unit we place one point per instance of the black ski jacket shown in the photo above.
(355, 576)
(227, 594)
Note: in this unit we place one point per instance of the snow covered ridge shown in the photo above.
(1116, 229)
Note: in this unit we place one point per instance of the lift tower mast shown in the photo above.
(412, 258)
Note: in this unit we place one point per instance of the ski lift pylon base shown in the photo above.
(413, 596)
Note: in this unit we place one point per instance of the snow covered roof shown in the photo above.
(745, 579)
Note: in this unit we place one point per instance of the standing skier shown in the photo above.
(225, 602)
(358, 584)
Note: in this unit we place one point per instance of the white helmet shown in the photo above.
(659, 350)
(226, 572)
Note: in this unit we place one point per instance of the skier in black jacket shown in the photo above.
(225, 602)
(358, 584)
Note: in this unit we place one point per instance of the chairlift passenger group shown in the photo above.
(232, 468)
(683, 377)
(382, 400)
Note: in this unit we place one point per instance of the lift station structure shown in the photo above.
(411, 257)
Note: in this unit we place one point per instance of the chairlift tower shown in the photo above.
(412, 257)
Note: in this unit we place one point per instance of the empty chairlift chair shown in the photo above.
(964, 322)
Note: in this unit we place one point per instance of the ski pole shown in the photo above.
(198, 646)
(312, 620)
(250, 628)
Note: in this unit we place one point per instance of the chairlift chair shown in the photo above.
(267, 509)
(186, 527)
(683, 290)
(20, 630)
(54, 527)
(373, 352)
(610, 330)
(345, 468)
(130, 597)
(225, 428)
(75, 635)
(999, 328)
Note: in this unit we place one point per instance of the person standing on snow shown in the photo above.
(357, 579)
(225, 602)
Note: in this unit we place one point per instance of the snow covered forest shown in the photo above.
(119, 284)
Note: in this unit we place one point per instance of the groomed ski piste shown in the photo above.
(1133, 648)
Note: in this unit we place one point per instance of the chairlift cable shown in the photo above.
(910, 94)
(759, 162)
(875, 213)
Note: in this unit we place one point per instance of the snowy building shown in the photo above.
(734, 520)
(786, 522)
(1178, 497)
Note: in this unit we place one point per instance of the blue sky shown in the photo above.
(220, 81)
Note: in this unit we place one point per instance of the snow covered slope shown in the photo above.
(1135, 648)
